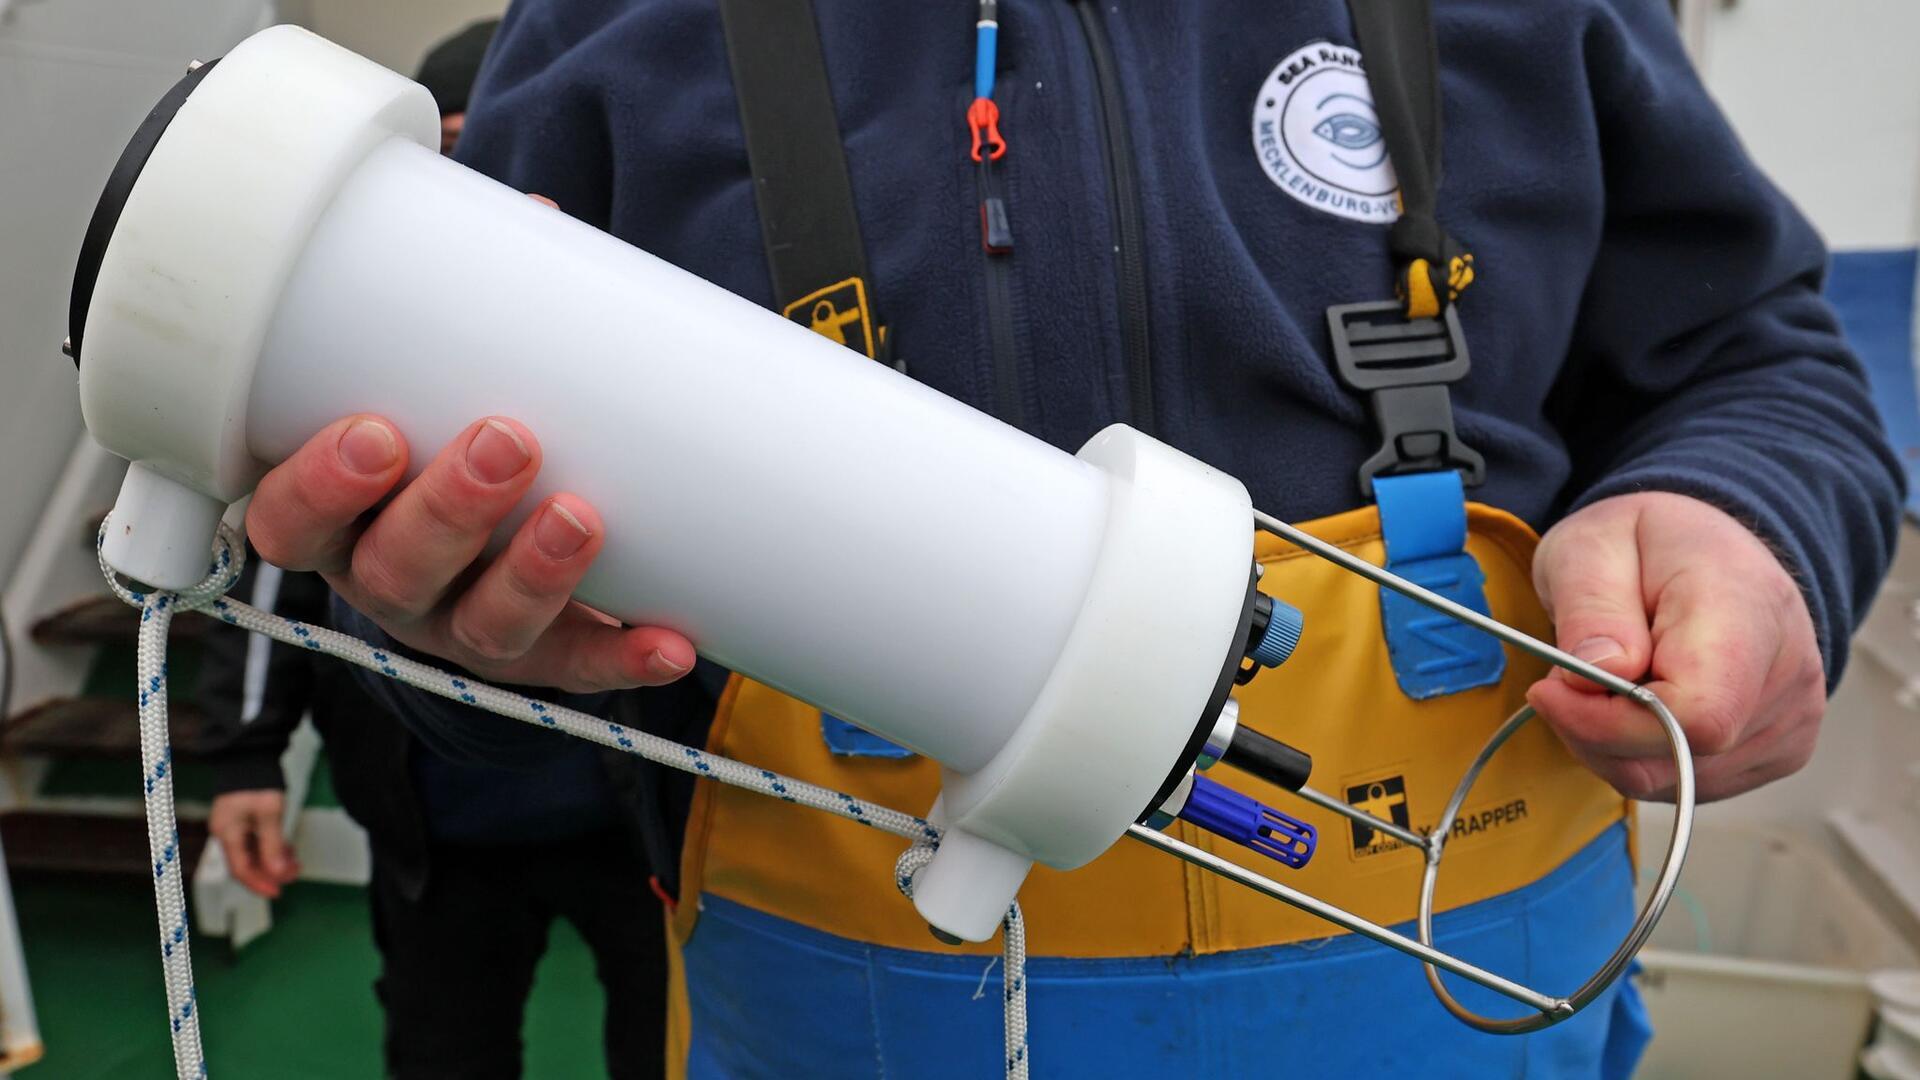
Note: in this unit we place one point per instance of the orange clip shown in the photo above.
(984, 116)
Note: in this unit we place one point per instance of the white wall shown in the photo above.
(1826, 95)
(76, 76)
(397, 33)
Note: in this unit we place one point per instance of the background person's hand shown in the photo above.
(407, 556)
(247, 825)
(1667, 589)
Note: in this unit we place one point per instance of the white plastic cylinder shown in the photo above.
(1052, 629)
(754, 478)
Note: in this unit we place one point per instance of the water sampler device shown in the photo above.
(282, 245)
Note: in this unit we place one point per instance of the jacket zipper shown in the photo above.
(996, 244)
(1129, 228)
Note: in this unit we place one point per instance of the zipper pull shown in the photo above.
(983, 119)
(983, 122)
(996, 232)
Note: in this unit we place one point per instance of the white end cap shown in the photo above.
(222, 209)
(968, 886)
(1115, 717)
(161, 531)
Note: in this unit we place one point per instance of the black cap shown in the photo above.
(450, 68)
(113, 199)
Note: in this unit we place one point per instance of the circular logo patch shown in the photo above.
(1318, 137)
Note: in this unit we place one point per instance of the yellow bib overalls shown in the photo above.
(829, 881)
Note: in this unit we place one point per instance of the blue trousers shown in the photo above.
(770, 998)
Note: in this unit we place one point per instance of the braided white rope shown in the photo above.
(156, 612)
(163, 829)
(1013, 960)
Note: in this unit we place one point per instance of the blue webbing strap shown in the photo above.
(1423, 517)
(848, 741)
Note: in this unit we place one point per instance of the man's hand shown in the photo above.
(411, 564)
(1666, 588)
(247, 824)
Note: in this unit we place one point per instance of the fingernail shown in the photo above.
(368, 447)
(497, 453)
(662, 668)
(1597, 649)
(558, 534)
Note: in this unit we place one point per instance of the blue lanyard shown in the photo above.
(986, 36)
(983, 116)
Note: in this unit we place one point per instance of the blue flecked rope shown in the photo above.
(163, 832)
(156, 613)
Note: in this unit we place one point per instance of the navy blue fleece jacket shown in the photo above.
(1646, 316)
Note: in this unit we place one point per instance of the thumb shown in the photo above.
(274, 852)
(1588, 575)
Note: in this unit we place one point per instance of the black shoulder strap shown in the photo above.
(800, 183)
(1403, 71)
(1404, 353)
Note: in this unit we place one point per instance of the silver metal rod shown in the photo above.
(1349, 561)
(1642, 927)
(1342, 917)
(1550, 1010)
(1328, 802)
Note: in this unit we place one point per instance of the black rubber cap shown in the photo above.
(113, 199)
(1268, 758)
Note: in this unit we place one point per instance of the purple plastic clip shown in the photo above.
(1223, 811)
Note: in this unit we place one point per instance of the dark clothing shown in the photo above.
(457, 961)
(1646, 315)
(449, 68)
(649, 800)
(404, 790)
(559, 788)
(472, 862)
(467, 803)
(247, 733)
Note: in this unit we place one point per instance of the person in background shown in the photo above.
(471, 862)
(449, 71)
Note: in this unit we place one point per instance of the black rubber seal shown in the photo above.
(1221, 688)
(113, 199)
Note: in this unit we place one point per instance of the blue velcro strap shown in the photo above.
(1423, 517)
(848, 741)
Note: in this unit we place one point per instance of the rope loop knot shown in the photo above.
(229, 558)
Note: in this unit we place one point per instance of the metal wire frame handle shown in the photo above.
(1642, 927)
(1548, 1009)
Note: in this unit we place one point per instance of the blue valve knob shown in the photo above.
(1281, 636)
(1246, 821)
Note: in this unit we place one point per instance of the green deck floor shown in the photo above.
(296, 1004)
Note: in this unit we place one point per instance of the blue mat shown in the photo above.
(1874, 293)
